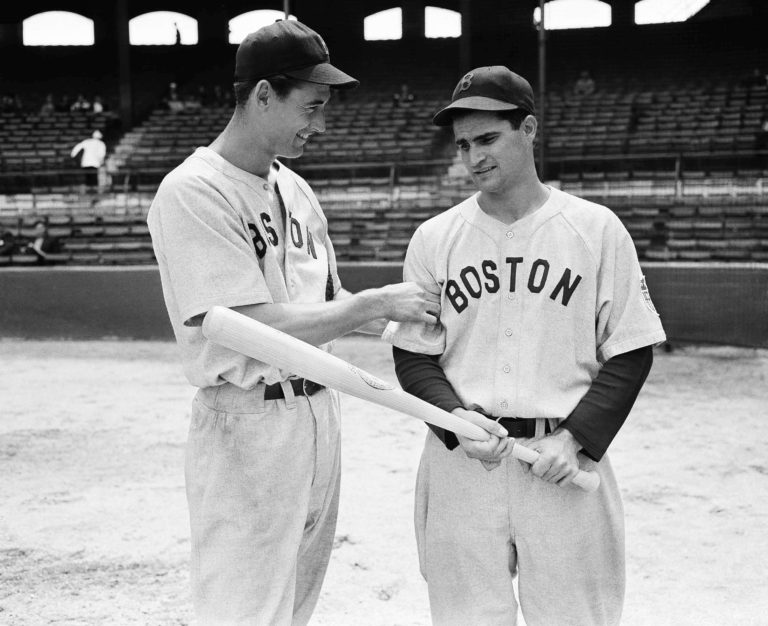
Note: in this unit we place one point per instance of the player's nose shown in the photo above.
(318, 121)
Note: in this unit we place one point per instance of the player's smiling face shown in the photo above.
(298, 116)
(496, 155)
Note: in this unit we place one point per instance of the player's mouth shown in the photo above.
(304, 136)
(484, 170)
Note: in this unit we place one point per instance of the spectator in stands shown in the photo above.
(174, 102)
(80, 104)
(47, 107)
(42, 244)
(7, 242)
(92, 154)
(11, 103)
(403, 97)
(761, 141)
(585, 84)
(218, 97)
(233, 226)
(98, 105)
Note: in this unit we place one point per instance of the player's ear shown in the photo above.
(529, 126)
(262, 92)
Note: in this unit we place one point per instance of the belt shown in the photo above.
(521, 427)
(301, 387)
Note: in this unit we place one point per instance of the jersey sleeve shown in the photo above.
(207, 249)
(626, 317)
(418, 337)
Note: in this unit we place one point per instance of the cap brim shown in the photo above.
(325, 74)
(473, 103)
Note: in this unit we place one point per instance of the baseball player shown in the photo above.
(545, 335)
(232, 226)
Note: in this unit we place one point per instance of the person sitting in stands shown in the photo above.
(80, 104)
(98, 105)
(47, 107)
(403, 97)
(7, 242)
(585, 85)
(43, 244)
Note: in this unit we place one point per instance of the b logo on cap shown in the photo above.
(466, 81)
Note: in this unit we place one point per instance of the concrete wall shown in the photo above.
(709, 303)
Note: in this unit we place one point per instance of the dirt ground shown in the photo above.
(93, 519)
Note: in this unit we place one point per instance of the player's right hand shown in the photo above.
(409, 302)
(490, 452)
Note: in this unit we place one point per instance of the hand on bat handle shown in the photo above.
(554, 459)
(491, 451)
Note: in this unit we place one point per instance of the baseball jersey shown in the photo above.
(219, 240)
(530, 310)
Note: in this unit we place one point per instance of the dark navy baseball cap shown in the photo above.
(290, 48)
(491, 88)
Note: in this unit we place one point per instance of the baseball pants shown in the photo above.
(476, 530)
(262, 480)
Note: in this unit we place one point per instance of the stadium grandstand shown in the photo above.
(672, 136)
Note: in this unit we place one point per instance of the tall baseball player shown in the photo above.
(232, 226)
(546, 334)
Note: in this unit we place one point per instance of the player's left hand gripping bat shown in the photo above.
(265, 343)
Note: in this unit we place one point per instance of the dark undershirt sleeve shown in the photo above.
(594, 422)
(422, 376)
(602, 411)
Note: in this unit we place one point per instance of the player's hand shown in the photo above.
(557, 462)
(490, 452)
(409, 302)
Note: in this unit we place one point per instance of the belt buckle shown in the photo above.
(311, 387)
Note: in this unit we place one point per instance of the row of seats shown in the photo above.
(33, 142)
(372, 220)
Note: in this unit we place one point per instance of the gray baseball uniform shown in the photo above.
(261, 535)
(530, 311)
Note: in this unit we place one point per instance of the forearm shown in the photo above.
(600, 414)
(321, 322)
(422, 376)
(374, 327)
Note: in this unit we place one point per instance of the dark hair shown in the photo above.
(281, 84)
(515, 117)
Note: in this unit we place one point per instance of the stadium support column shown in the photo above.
(623, 14)
(542, 107)
(465, 42)
(11, 35)
(123, 64)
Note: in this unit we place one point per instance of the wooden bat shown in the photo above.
(250, 337)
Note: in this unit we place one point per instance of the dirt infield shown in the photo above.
(93, 520)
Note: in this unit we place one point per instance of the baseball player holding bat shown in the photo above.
(547, 329)
(231, 226)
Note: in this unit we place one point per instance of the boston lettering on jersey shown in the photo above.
(299, 237)
(473, 281)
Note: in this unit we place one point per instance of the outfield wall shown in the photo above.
(698, 302)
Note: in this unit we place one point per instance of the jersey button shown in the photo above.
(508, 332)
(510, 234)
(510, 296)
(266, 187)
(507, 369)
(503, 404)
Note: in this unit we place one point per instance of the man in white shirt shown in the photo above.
(93, 151)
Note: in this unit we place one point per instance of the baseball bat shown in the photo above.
(262, 342)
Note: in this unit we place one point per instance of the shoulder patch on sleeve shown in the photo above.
(647, 295)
